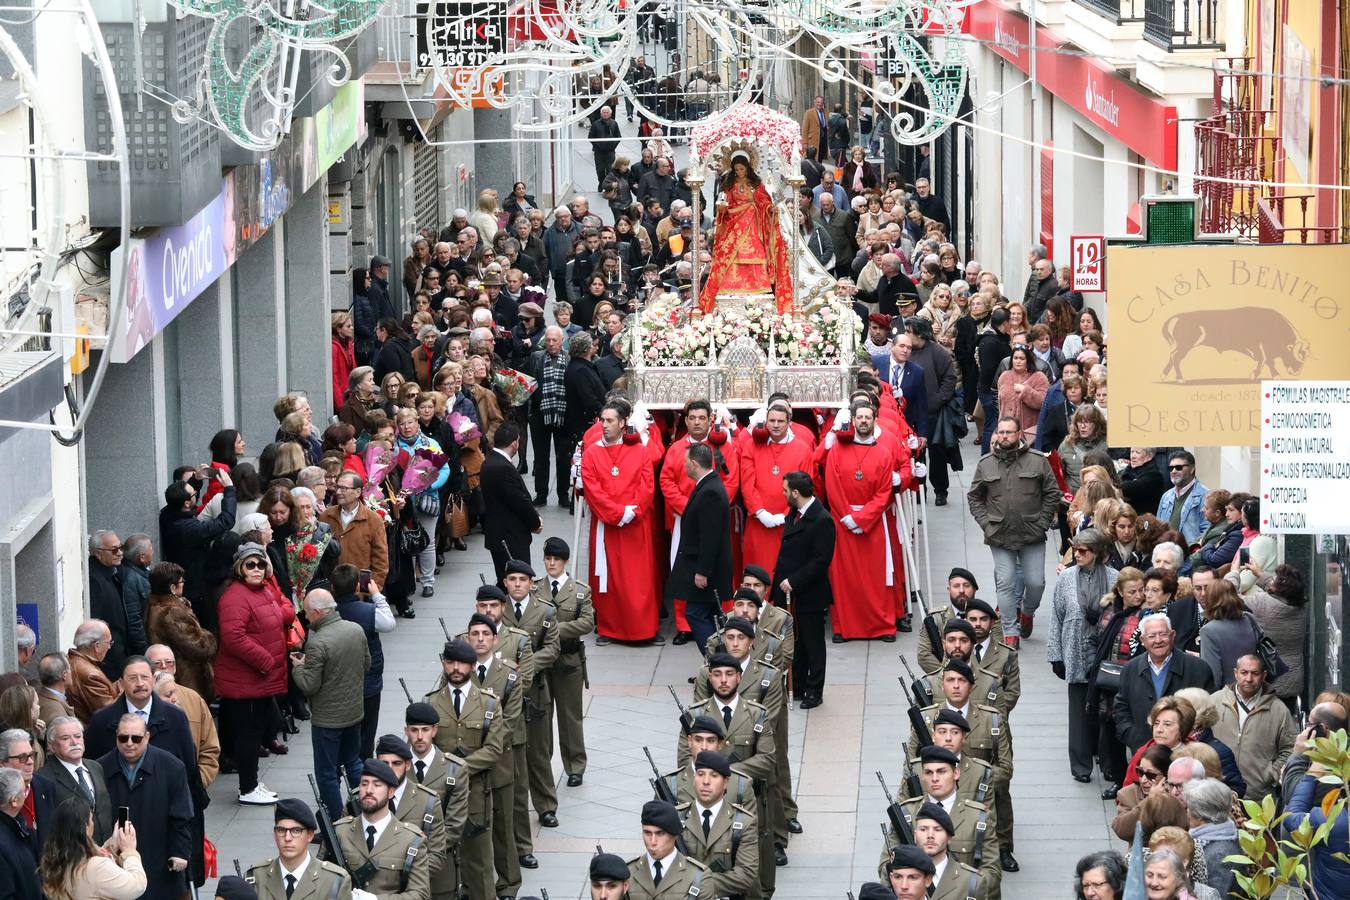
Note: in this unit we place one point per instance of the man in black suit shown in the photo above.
(893, 285)
(18, 847)
(801, 574)
(509, 516)
(1155, 673)
(701, 575)
(68, 774)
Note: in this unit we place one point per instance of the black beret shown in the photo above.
(952, 717)
(934, 753)
(959, 572)
(518, 567)
(708, 725)
(744, 626)
(724, 660)
(937, 814)
(982, 606)
(660, 814)
(907, 856)
(459, 651)
(556, 546)
(605, 866)
(490, 592)
(874, 890)
(481, 619)
(960, 668)
(960, 625)
(759, 573)
(291, 808)
(749, 594)
(420, 713)
(232, 887)
(711, 759)
(392, 743)
(377, 768)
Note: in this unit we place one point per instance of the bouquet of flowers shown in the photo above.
(464, 429)
(380, 461)
(515, 386)
(422, 470)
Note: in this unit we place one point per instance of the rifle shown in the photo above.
(917, 726)
(599, 849)
(659, 784)
(445, 631)
(902, 830)
(913, 784)
(407, 693)
(350, 804)
(686, 720)
(923, 691)
(238, 871)
(483, 578)
(326, 830)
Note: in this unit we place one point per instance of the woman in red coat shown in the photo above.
(344, 356)
(251, 665)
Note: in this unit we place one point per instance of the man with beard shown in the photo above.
(771, 453)
(413, 804)
(386, 857)
(802, 581)
(720, 834)
(708, 733)
(961, 588)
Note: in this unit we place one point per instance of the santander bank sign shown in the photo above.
(1104, 106)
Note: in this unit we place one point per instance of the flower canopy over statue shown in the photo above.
(750, 251)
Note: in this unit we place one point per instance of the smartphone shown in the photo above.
(1244, 556)
(365, 581)
(123, 814)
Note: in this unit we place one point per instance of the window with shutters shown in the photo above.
(426, 186)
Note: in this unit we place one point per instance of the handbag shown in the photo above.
(295, 634)
(413, 539)
(209, 857)
(1266, 650)
(427, 503)
(1108, 677)
(457, 516)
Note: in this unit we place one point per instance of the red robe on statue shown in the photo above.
(676, 487)
(867, 574)
(623, 575)
(763, 465)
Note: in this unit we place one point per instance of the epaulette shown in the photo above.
(968, 760)
(752, 703)
(398, 823)
(699, 704)
(915, 801)
(520, 631)
(674, 774)
(933, 708)
(344, 820)
(965, 868)
(489, 691)
(683, 807)
(509, 663)
(742, 809)
(987, 708)
(634, 861)
(976, 805)
(334, 868)
(696, 864)
(583, 590)
(267, 864)
(424, 789)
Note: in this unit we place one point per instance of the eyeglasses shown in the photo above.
(130, 738)
(1174, 786)
(116, 551)
(23, 757)
(250, 566)
(283, 831)
(1178, 468)
(1149, 774)
(1082, 550)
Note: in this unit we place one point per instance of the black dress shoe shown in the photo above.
(1082, 779)
(905, 625)
(794, 826)
(941, 500)
(888, 638)
(601, 640)
(541, 501)
(574, 780)
(681, 638)
(838, 638)
(548, 819)
(427, 590)
(1110, 793)
(810, 703)
(1008, 861)
(779, 855)
(527, 861)
(408, 613)
(440, 561)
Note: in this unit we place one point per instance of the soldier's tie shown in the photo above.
(656, 877)
(726, 716)
(979, 652)
(520, 613)
(391, 805)
(290, 886)
(457, 701)
(370, 837)
(707, 823)
(482, 673)
(421, 771)
(555, 589)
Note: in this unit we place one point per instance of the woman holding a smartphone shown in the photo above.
(74, 868)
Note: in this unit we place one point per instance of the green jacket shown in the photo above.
(337, 658)
(1013, 496)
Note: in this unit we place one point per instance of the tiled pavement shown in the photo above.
(835, 749)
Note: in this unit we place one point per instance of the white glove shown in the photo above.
(758, 417)
(850, 524)
(629, 513)
(779, 520)
(919, 469)
(358, 894)
(765, 517)
(913, 441)
(840, 418)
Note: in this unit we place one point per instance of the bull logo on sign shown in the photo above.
(1264, 335)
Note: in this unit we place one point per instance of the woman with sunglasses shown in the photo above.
(1152, 772)
(1075, 611)
(251, 665)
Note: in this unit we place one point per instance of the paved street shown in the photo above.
(835, 749)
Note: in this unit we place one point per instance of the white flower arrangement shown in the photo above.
(671, 336)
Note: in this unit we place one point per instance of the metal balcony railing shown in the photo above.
(1117, 11)
(1183, 24)
(1281, 216)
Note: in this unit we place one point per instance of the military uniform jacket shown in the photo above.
(478, 735)
(686, 879)
(929, 660)
(760, 682)
(975, 825)
(541, 625)
(998, 679)
(750, 739)
(976, 782)
(420, 808)
(449, 779)
(401, 848)
(740, 789)
(321, 881)
(956, 882)
(575, 619)
(774, 641)
(730, 851)
(504, 681)
(988, 739)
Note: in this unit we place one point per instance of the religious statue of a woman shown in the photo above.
(749, 256)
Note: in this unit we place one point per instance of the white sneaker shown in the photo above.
(258, 797)
(262, 786)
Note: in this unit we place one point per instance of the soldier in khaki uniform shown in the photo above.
(961, 588)
(386, 858)
(413, 804)
(974, 841)
(502, 678)
(908, 873)
(663, 871)
(761, 682)
(293, 827)
(472, 726)
(952, 879)
(446, 775)
(949, 730)
(539, 619)
(708, 733)
(998, 677)
(720, 834)
(609, 877)
(567, 679)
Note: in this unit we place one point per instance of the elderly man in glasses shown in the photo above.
(153, 785)
(105, 595)
(90, 689)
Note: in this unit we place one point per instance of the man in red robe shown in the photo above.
(867, 575)
(676, 485)
(616, 476)
(771, 452)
